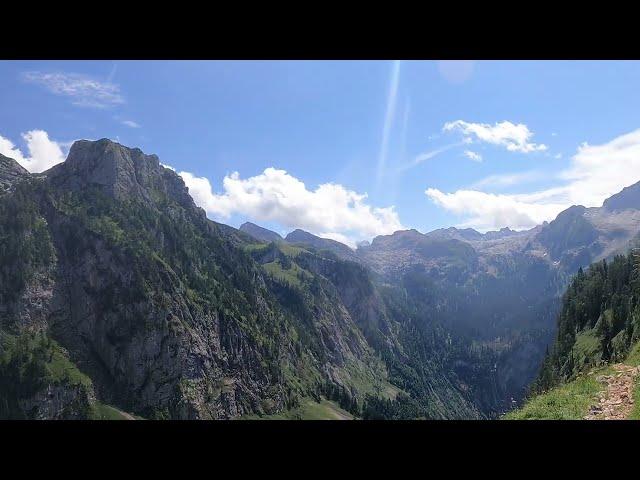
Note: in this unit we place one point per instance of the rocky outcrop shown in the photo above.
(58, 402)
(10, 172)
(628, 198)
(121, 172)
(163, 308)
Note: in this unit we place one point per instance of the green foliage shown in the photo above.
(25, 244)
(101, 411)
(599, 321)
(570, 401)
(308, 409)
(29, 363)
(401, 408)
(291, 314)
(293, 275)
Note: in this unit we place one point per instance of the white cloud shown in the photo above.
(44, 153)
(476, 157)
(131, 123)
(596, 172)
(489, 211)
(599, 171)
(339, 237)
(513, 137)
(83, 90)
(276, 196)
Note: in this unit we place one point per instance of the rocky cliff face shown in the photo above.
(170, 315)
(162, 308)
(628, 198)
(10, 172)
(125, 174)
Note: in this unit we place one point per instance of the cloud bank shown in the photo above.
(331, 210)
(514, 138)
(596, 172)
(44, 153)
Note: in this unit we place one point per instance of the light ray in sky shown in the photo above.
(423, 157)
(388, 119)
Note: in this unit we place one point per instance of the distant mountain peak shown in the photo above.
(260, 233)
(628, 198)
(502, 233)
(340, 249)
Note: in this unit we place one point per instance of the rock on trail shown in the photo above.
(616, 401)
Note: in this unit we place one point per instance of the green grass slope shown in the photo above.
(570, 401)
(309, 409)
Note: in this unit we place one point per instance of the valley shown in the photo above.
(120, 298)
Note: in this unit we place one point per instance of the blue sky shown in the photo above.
(485, 144)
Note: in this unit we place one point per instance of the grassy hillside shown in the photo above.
(572, 400)
(598, 324)
(309, 409)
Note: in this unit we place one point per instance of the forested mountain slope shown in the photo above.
(599, 321)
(116, 289)
(591, 371)
(500, 291)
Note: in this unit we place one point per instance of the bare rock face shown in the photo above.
(129, 322)
(628, 198)
(161, 307)
(58, 402)
(121, 172)
(10, 172)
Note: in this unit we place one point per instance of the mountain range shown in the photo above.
(119, 297)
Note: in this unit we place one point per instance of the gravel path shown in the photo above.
(616, 401)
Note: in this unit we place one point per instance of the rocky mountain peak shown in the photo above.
(502, 233)
(10, 171)
(628, 198)
(121, 172)
(260, 233)
(399, 239)
(340, 249)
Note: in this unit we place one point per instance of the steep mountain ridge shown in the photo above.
(111, 270)
(468, 273)
(10, 172)
(170, 315)
(590, 370)
(306, 238)
(628, 198)
(260, 233)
